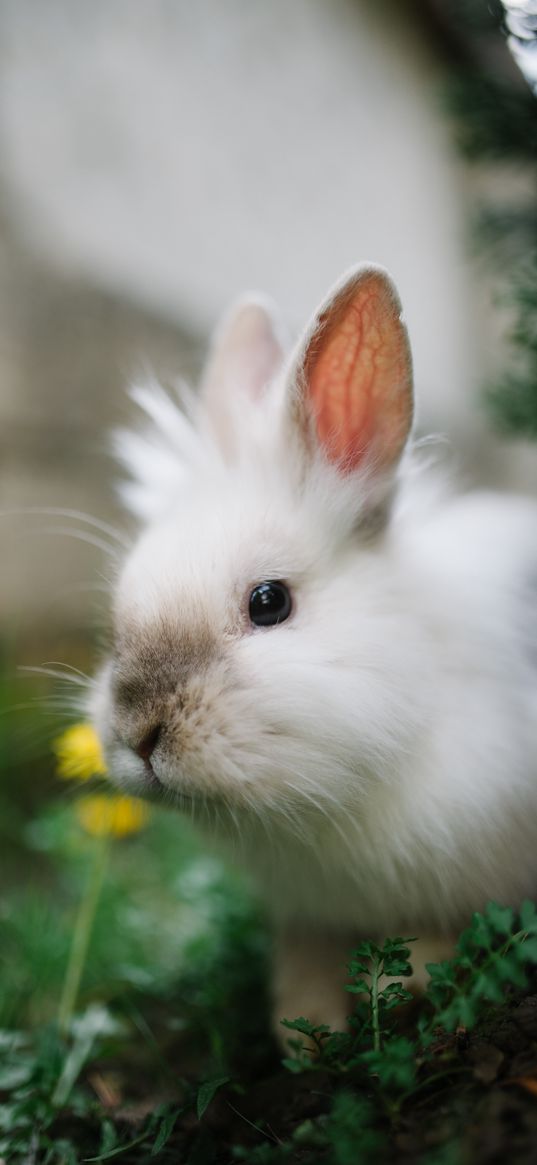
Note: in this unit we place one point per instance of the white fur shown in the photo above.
(373, 760)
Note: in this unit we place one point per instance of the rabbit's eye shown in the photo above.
(270, 603)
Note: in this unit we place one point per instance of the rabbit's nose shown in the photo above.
(147, 745)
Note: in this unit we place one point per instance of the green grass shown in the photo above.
(169, 1057)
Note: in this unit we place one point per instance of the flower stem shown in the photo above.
(82, 933)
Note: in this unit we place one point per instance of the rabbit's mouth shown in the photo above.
(152, 781)
(157, 789)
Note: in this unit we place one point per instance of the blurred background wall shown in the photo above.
(158, 159)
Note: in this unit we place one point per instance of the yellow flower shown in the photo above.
(112, 816)
(79, 754)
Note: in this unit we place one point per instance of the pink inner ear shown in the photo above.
(358, 378)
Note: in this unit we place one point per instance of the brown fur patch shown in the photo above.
(154, 668)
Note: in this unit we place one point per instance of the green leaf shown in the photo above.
(395, 1064)
(400, 944)
(467, 944)
(293, 1065)
(479, 933)
(206, 1093)
(528, 950)
(393, 989)
(109, 1138)
(442, 974)
(467, 1012)
(86, 1029)
(309, 1133)
(510, 968)
(366, 950)
(116, 1152)
(12, 1075)
(487, 987)
(396, 997)
(304, 1026)
(397, 964)
(360, 987)
(63, 1151)
(461, 1012)
(338, 1045)
(351, 1127)
(166, 1128)
(356, 969)
(8, 1117)
(501, 918)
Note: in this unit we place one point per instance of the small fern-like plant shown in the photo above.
(496, 952)
(369, 966)
(377, 1069)
(369, 1047)
(493, 955)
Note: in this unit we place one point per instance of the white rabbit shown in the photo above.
(320, 654)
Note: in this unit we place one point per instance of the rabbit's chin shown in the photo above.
(139, 778)
(163, 781)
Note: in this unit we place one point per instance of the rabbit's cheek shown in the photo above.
(202, 746)
(195, 722)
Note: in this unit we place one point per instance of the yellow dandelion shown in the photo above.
(79, 754)
(104, 816)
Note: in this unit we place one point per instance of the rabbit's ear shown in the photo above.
(351, 384)
(246, 354)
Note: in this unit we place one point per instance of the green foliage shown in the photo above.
(38, 1078)
(352, 1130)
(394, 1065)
(376, 1069)
(369, 967)
(206, 1091)
(496, 951)
(496, 119)
(316, 1037)
(513, 400)
(495, 956)
(173, 1003)
(30, 1073)
(176, 944)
